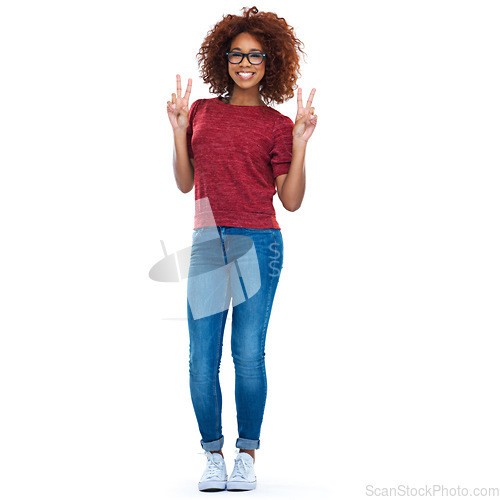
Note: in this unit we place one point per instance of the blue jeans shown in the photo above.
(242, 264)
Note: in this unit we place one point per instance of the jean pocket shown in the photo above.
(196, 234)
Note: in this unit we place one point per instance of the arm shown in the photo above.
(183, 165)
(180, 117)
(291, 187)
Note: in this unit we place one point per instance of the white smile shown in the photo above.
(245, 75)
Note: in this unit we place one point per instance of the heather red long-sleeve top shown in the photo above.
(238, 152)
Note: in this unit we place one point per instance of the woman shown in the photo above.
(237, 151)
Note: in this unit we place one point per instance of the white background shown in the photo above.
(382, 352)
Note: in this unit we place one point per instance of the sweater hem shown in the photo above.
(251, 220)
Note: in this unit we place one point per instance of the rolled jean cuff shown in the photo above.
(247, 444)
(212, 445)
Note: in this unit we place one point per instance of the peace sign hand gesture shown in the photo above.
(178, 109)
(306, 120)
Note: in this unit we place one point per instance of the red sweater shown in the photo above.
(238, 152)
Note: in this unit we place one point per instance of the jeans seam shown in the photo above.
(265, 327)
(226, 244)
(217, 421)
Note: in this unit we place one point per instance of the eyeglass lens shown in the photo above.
(237, 57)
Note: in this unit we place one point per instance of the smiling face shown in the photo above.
(244, 42)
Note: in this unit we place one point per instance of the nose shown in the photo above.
(245, 63)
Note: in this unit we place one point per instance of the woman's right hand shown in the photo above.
(178, 108)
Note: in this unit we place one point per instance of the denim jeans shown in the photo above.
(243, 265)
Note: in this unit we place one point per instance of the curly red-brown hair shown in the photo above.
(278, 42)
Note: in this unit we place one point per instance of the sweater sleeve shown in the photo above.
(189, 130)
(281, 154)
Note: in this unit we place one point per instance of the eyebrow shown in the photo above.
(237, 48)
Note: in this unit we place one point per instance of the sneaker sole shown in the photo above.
(212, 485)
(240, 486)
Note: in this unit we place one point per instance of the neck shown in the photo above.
(243, 97)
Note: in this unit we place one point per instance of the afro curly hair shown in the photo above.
(278, 42)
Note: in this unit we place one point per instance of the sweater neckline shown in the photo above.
(218, 99)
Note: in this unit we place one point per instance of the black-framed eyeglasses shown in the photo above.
(253, 57)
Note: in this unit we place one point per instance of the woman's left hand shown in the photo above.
(306, 120)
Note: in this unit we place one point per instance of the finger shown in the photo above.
(311, 111)
(311, 97)
(188, 90)
(179, 88)
(174, 97)
(299, 100)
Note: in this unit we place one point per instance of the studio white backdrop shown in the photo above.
(382, 349)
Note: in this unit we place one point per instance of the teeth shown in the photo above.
(245, 74)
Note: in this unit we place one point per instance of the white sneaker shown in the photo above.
(243, 475)
(214, 477)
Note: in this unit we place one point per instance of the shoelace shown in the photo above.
(240, 467)
(214, 468)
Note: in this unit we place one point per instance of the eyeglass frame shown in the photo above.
(247, 56)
